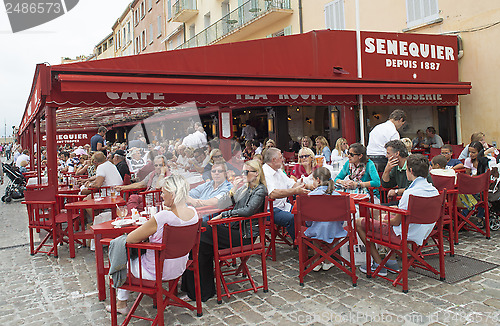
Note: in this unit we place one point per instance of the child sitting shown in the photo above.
(439, 167)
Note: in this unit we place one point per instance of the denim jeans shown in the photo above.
(285, 219)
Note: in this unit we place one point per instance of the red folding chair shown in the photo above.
(178, 241)
(312, 208)
(152, 198)
(421, 210)
(383, 193)
(125, 194)
(242, 248)
(473, 185)
(434, 152)
(277, 233)
(289, 157)
(43, 214)
(441, 183)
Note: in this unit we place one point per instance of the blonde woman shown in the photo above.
(216, 157)
(408, 143)
(306, 142)
(307, 164)
(247, 196)
(339, 153)
(174, 191)
(322, 148)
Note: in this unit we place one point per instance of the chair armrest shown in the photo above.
(389, 209)
(140, 245)
(39, 202)
(138, 190)
(71, 196)
(149, 191)
(237, 218)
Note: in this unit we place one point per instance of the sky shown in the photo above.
(75, 33)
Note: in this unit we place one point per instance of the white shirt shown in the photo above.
(379, 136)
(192, 141)
(20, 158)
(202, 136)
(337, 157)
(110, 173)
(278, 180)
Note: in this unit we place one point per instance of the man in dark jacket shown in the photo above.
(121, 163)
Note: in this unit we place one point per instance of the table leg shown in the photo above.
(113, 213)
(99, 260)
(71, 234)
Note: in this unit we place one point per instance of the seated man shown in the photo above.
(279, 187)
(209, 193)
(438, 164)
(150, 182)
(119, 160)
(433, 140)
(416, 172)
(106, 174)
(451, 163)
(136, 161)
(395, 171)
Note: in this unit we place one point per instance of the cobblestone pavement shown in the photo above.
(42, 290)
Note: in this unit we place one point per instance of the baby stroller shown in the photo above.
(17, 183)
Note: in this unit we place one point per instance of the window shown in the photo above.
(143, 12)
(169, 8)
(159, 26)
(143, 36)
(150, 5)
(128, 31)
(124, 36)
(150, 33)
(118, 40)
(421, 11)
(99, 50)
(111, 41)
(191, 31)
(334, 15)
(136, 17)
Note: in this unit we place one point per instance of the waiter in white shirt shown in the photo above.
(381, 134)
(279, 187)
(248, 132)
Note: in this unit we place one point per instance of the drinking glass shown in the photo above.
(121, 211)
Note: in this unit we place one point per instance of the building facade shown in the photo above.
(123, 31)
(148, 17)
(105, 48)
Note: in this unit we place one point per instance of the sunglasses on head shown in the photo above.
(246, 172)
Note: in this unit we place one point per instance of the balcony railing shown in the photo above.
(248, 12)
(182, 8)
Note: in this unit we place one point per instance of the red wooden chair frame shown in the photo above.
(434, 152)
(178, 241)
(290, 157)
(44, 213)
(450, 208)
(277, 233)
(382, 192)
(154, 194)
(312, 208)
(421, 210)
(472, 185)
(222, 257)
(127, 192)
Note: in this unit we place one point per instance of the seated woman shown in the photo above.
(248, 152)
(476, 163)
(248, 197)
(307, 164)
(324, 231)
(358, 172)
(216, 157)
(478, 137)
(175, 190)
(322, 148)
(339, 153)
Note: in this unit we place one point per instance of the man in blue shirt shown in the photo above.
(416, 172)
(97, 141)
(208, 193)
(452, 163)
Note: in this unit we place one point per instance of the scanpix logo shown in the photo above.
(25, 14)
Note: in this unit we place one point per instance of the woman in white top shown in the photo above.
(339, 153)
(175, 190)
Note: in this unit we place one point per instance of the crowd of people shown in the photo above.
(192, 172)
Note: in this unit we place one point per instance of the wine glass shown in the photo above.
(122, 211)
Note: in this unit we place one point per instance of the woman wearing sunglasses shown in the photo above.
(248, 197)
(307, 164)
(358, 172)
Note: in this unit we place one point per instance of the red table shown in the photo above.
(105, 203)
(106, 231)
(67, 190)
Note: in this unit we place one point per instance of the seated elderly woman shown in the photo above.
(248, 197)
(174, 191)
(358, 172)
(307, 164)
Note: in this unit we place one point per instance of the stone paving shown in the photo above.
(42, 290)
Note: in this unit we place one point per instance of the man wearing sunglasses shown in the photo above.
(279, 187)
(209, 193)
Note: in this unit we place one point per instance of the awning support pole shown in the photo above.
(458, 117)
(39, 150)
(50, 123)
(361, 120)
